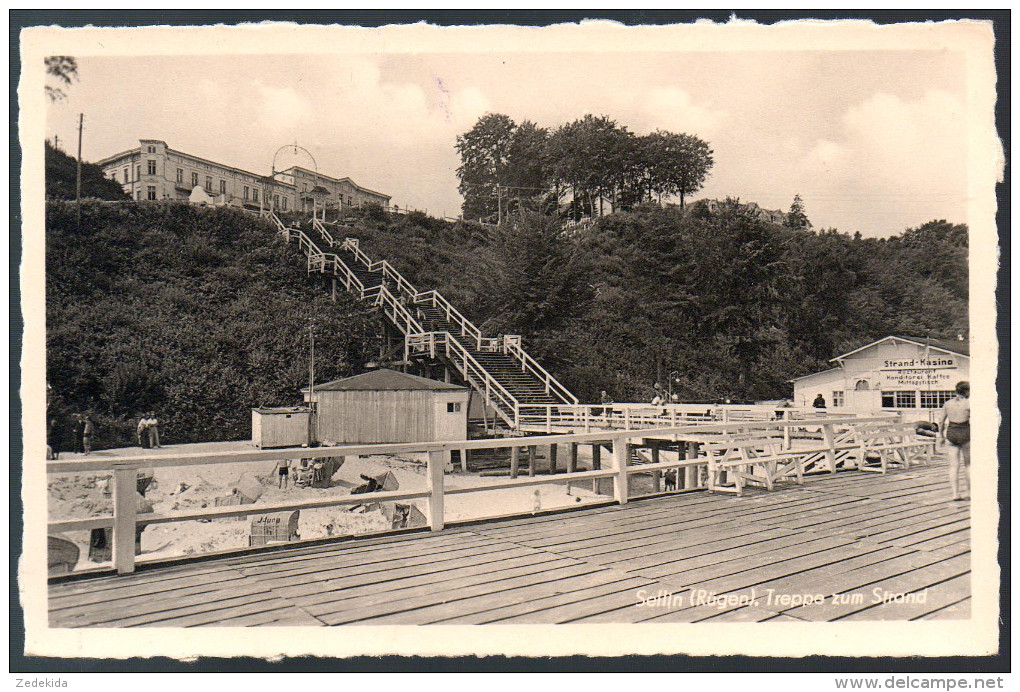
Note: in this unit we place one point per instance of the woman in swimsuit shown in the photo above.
(955, 429)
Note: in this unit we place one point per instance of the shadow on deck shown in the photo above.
(687, 558)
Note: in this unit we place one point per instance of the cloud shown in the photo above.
(672, 108)
(279, 108)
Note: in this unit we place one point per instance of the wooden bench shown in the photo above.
(897, 444)
(760, 460)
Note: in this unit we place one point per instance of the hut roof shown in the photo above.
(384, 380)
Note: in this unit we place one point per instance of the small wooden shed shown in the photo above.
(389, 406)
(286, 426)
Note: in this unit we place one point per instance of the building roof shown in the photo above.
(814, 374)
(384, 380)
(281, 409)
(960, 348)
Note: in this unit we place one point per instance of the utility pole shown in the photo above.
(56, 141)
(77, 192)
(312, 428)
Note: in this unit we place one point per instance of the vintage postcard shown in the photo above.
(579, 339)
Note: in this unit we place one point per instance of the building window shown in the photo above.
(255, 195)
(276, 201)
(935, 399)
(138, 172)
(247, 193)
(138, 195)
(284, 204)
(194, 179)
(350, 201)
(837, 398)
(453, 407)
(180, 175)
(151, 167)
(899, 399)
(127, 175)
(152, 192)
(208, 184)
(223, 187)
(151, 150)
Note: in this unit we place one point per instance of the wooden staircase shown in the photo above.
(500, 370)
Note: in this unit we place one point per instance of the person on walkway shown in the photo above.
(141, 431)
(819, 401)
(954, 428)
(78, 430)
(153, 431)
(88, 429)
(55, 437)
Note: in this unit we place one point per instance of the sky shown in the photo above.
(873, 141)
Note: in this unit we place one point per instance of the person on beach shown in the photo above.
(283, 472)
(954, 429)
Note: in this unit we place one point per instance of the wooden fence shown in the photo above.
(832, 433)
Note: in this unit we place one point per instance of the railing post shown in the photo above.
(125, 512)
(626, 418)
(830, 444)
(548, 419)
(436, 470)
(621, 450)
(515, 461)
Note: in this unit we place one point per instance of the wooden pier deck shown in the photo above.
(849, 533)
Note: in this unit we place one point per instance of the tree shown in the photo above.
(65, 69)
(61, 172)
(680, 163)
(797, 218)
(590, 157)
(485, 155)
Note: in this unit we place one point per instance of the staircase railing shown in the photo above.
(553, 387)
(327, 236)
(398, 314)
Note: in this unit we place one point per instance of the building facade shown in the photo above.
(153, 172)
(894, 374)
(389, 406)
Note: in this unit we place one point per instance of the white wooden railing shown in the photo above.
(551, 418)
(694, 441)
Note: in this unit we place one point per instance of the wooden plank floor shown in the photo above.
(841, 547)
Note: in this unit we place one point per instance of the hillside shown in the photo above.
(196, 314)
(200, 314)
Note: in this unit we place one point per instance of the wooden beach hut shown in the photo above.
(280, 427)
(389, 406)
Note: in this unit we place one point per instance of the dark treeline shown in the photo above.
(589, 162)
(61, 178)
(194, 314)
(735, 305)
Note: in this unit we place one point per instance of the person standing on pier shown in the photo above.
(87, 431)
(954, 429)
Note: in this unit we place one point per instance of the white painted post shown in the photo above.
(548, 419)
(125, 511)
(621, 449)
(830, 444)
(626, 418)
(435, 478)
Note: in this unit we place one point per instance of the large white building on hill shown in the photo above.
(153, 171)
(894, 373)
